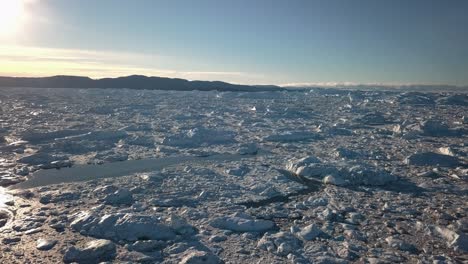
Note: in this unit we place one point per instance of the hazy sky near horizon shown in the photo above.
(242, 41)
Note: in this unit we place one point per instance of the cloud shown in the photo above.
(35, 61)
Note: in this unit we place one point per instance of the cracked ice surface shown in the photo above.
(326, 176)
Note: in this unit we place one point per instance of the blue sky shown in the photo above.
(261, 41)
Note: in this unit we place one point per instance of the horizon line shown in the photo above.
(285, 85)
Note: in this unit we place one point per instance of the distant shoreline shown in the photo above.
(138, 82)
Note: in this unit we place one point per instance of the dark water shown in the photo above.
(116, 169)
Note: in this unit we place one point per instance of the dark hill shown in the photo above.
(130, 82)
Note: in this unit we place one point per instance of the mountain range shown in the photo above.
(130, 82)
(142, 82)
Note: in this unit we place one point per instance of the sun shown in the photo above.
(11, 15)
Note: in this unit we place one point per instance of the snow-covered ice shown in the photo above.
(321, 176)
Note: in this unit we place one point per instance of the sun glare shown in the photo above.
(11, 14)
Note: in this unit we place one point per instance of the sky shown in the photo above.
(241, 41)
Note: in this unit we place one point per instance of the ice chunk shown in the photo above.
(200, 257)
(281, 243)
(238, 171)
(310, 232)
(345, 153)
(295, 166)
(120, 226)
(94, 252)
(248, 149)
(121, 196)
(432, 159)
(45, 244)
(292, 136)
(375, 118)
(200, 137)
(242, 223)
(438, 128)
(459, 241)
(336, 174)
(458, 99)
(35, 137)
